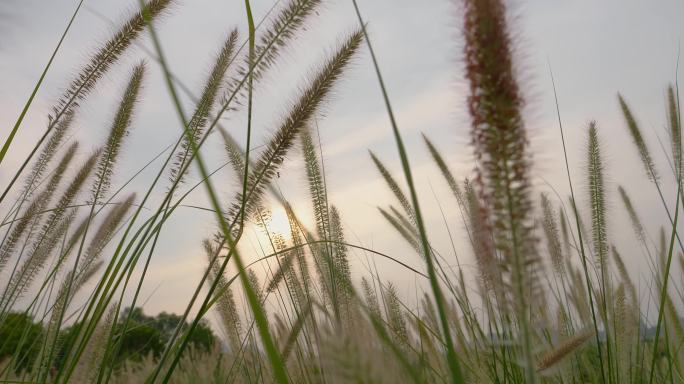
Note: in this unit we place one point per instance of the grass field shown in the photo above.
(549, 299)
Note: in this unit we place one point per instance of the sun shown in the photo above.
(279, 222)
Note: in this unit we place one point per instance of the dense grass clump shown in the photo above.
(550, 299)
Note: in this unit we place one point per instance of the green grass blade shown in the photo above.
(452, 359)
(20, 119)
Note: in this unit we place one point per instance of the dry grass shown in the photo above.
(552, 302)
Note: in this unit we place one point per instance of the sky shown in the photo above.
(594, 50)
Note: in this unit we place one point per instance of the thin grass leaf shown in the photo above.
(227, 310)
(20, 119)
(452, 359)
(36, 206)
(85, 81)
(405, 234)
(274, 154)
(275, 39)
(52, 226)
(205, 103)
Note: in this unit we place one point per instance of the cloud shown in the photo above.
(427, 109)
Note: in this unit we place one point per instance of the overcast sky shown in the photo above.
(595, 49)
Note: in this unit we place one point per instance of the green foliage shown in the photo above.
(140, 340)
(145, 337)
(149, 334)
(19, 336)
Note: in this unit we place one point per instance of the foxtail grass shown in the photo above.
(520, 309)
